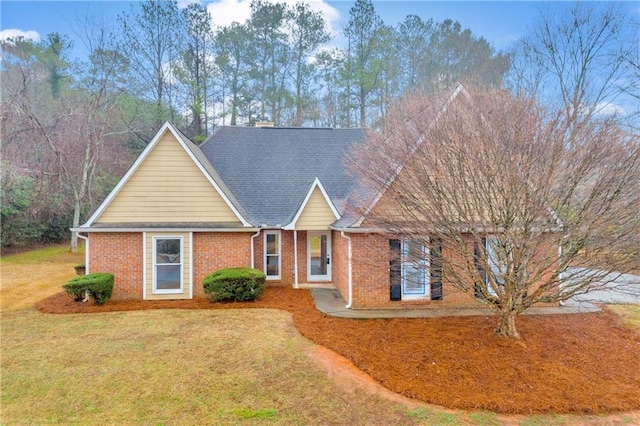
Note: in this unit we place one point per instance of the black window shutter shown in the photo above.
(395, 269)
(435, 269)
(477, 256)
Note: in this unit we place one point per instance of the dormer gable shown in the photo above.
(317, 211)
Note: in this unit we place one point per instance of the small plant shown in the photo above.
(98, 285)
(234, 284)
(80, 269)
(261, 413)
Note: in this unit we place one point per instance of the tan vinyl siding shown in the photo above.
(317, 214)
(186, 262)
(167, 187)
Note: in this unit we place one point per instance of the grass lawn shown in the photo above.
(172, 367)
(31, 276)
(176, 366)
(630, 313)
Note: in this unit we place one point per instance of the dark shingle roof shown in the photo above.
(269, 170)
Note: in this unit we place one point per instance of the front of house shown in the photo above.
(271, 198)
(276, 199)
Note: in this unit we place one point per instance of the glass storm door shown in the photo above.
(319, 256)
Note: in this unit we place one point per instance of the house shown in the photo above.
(277, 199)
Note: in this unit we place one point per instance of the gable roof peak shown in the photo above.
(315, 184)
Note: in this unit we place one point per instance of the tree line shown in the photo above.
(71, 126)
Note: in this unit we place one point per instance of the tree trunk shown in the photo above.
(507, 325)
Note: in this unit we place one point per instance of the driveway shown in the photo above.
(615, 288)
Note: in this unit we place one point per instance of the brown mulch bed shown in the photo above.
(581, 363)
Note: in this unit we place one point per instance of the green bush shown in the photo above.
(234, 284)
(99, 286)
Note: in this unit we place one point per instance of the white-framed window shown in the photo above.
(167, 264)
(272, 254)
(495, 260)
(414, 275)
(415, 270)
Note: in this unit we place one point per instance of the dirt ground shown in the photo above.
(586, 363)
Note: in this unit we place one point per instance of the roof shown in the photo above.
(269, 170)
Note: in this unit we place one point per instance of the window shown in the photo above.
(167, 264)
(272, 259)
(414, 267)
(415, 271)
(497, 265)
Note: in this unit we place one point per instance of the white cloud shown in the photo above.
(224, 12)
(14, 33)
(609, 108)
(182, 4)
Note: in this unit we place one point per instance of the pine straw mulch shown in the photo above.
(580, 363)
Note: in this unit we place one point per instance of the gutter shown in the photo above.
(148, 229)
(86, 252)
(295, 259)
(349, 270)
(252, 250)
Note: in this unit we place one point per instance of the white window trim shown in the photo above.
(264, 254)
(153, 270)
(327, 276)
(494, 264)
(426, 294)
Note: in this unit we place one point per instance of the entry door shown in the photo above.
(319, 256)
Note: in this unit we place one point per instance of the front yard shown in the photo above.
(232, 366)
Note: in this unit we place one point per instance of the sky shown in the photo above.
(501, 23)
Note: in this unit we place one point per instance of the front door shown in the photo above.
(319, 256)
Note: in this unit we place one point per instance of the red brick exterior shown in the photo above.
(213, 251)
(120, 254)
(340, 266)
(371, 279)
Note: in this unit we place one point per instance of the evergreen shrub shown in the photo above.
(234, 284)
(99, 286)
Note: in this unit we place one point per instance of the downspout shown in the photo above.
(86, 252)
(253, 263)
(295, 259)
(349, 270)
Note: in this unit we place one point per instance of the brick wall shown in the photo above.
(213, 251)
(287, 277)
(371, 277)
(121, 255)
(340, 264)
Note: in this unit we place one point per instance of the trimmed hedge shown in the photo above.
(234, 284)
(99, 286)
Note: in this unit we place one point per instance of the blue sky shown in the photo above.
(499, 22)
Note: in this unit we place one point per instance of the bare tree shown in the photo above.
(69, 132)
(579, 58)
(516, 197)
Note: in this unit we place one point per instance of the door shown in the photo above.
(319, 256)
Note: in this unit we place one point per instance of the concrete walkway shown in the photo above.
(330, 302)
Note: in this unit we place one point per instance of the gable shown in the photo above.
(382, 195)
(317, 214)
(167, 187)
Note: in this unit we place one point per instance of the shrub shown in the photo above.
(99, 286)
(237, 284)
